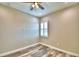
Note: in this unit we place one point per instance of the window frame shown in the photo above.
(43, 36)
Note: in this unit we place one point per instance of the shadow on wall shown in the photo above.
(16, 29)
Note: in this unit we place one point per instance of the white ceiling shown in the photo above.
(49, 7)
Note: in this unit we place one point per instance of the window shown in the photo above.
(44, 29)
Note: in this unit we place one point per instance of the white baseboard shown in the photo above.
(70, 53)
(19, 49)
(31, 52)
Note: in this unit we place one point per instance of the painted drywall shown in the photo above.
(17, 29)
(64, 29)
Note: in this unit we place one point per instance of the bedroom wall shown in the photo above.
(17, 29)
(64, 29)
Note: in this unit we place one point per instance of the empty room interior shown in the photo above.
(39, 29)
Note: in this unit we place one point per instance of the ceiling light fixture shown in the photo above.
(36, 5)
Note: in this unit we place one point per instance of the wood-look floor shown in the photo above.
(39, 51)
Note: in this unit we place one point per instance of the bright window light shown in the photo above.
(44, 29)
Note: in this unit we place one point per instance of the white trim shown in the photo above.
(19, 49)
(13, 51)
(33, 51)
(74, 54)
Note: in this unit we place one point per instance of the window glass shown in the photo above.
(44, 29)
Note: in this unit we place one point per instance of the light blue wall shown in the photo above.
(17, 29)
